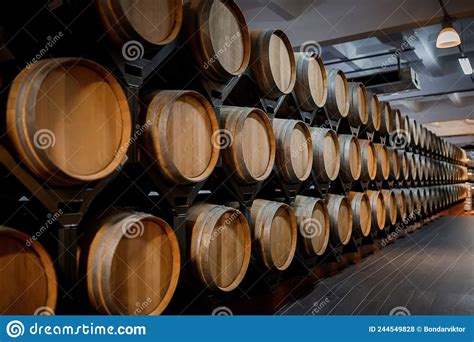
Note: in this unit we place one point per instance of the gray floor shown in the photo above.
(429, 272)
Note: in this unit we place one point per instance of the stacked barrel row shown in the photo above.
(69, 121)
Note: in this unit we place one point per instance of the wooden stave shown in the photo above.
(99, 261)
(202, 219)
(19, 129)
(303, 209)
(262, 213)
(302, 87)
(232, 119)
(317, 136)
(260, 63)
(346, 171)
(111, 15)
(44, 259)
(282, 130)
(334, 204)
(157, 112)
(197, 14)
(331, 106)
(354, 116)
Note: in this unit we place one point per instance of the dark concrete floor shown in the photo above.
(429, 272)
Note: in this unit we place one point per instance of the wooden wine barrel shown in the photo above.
(361, 214)
(182, 135)
(395, 163)
(413, 131)
(369, 160)
(401, 204)
(421, 136)
(433, 144)
(383, 162)
(294, 157)
(358, 104)
(432, 202)
(54, 111)
(272, 62)
(311, 87)
(424, 167)
(410, 198)
(428, 141)
(407, 130)
(351, 165)
(219, 37)
(373, 124)
(386, 119)
(378, 209)
(404, 165)
(250, 151)
(340, 218)
(133, 258)
(220, 245)
(326, 154)
(275, 233)
(398, 126)
(152, 23)
(417, 205)
(28, 279)
(423, 200)
(419, 167)
(312, 217)
(337, 103)
(412, 167)
(391, 207)
(428, 169)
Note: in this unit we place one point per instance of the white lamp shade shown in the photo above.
(448, 38)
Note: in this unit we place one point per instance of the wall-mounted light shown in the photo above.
(448, 37)
(465, 65)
